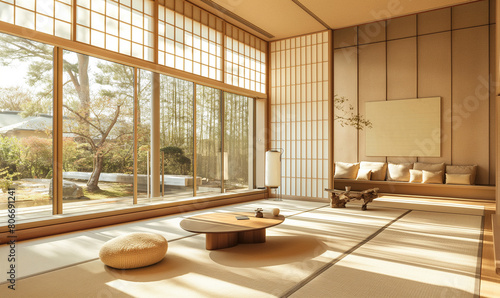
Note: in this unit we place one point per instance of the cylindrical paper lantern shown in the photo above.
(273, 168)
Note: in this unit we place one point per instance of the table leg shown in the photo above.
(336, 202)
(221, 240)
(255, 236)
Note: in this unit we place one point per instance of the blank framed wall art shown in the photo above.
(406, 127)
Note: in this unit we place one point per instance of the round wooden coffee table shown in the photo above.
(225, 230)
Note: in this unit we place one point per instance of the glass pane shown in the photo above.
(176, 129)
(237, 143)
(26, 104)
(144, 93)
(208, 139)
(98, 133)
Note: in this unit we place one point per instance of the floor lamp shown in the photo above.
(273, 169)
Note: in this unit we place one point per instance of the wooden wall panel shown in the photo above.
(372, 32)
(402, 76)
(434, 79)
(260, 139)
(345, 37)
(402, 27)
(493, 131)
(493, 7)
(470, 107)
(456, 65)
(434, 21)
(497, 54)
(402, 68)
(346, 85)
(372, 85)
(471, 14)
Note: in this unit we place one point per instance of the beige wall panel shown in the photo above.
(497, 180)
(402, 27)
(372, 85)
(470, 112)
(493, 147)
(471, 14)
(398, 159)
(434, 21)
(401, 76)
(371, 32)
(497, 55)
(434, 79)
(345, 37)
(345, 84)
(493, 7)
(260, 142)
(402, 68)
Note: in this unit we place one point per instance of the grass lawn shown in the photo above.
(109, 190)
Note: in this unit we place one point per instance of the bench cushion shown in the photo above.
(364, 174)
(378, 169)
(399, 172)
(432, 177)
(133, 250)
(431, 167)
(415, 176)
(458, 179)
(344, 170)
(471, 170)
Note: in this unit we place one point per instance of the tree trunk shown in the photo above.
(92, 184)
(84, 90)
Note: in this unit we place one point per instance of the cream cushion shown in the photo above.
(458, 179)
(133, 250)
(415, 176)
(472, 169)
(399, 172)
(378, 169)
(432, 177)
(431, 167)
(344, 170)
(364, 174)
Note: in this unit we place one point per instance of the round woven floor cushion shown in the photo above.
(133, 250)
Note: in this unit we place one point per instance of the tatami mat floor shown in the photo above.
(317, 252)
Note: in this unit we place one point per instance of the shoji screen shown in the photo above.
(190, 39)
(299, 112)
(51, 16)
(118, 26)
(245, 60)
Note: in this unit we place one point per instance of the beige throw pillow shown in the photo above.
(344, 170)
(399, 172)
(471, 170)
(431, 167)
(432, 177)
(364, 174)
(458, 179)
(415, 176)
(378, 169)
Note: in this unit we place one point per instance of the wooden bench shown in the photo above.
(477, 192)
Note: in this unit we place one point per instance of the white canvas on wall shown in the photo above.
(407, 127)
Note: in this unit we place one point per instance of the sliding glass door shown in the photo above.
(98, 138)
(26, 103)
